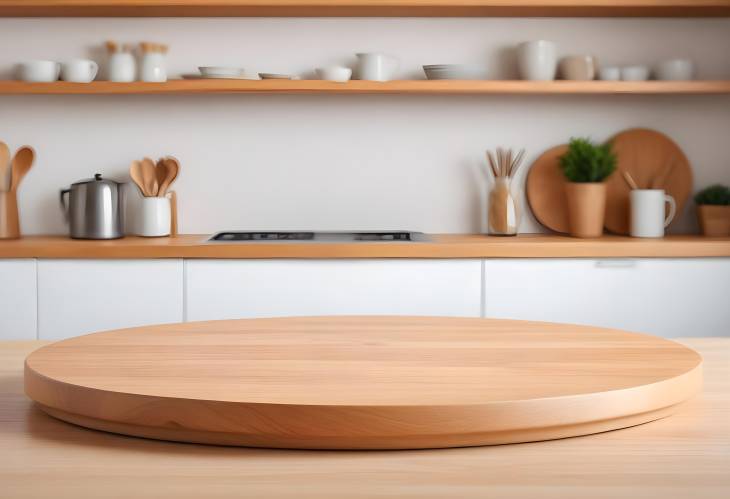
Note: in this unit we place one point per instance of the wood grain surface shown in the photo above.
(414, 87)
(362, 382)
(686, 455)
(440, 246)
(545, 189)
(380, 8)
(654, 161)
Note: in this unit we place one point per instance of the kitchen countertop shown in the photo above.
(441, 246)
(685, 455)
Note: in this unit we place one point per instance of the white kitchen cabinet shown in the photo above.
(227, 289)
(18, 300)
(666, 297)
(82, 296)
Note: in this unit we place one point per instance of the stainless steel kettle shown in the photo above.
(94, 209)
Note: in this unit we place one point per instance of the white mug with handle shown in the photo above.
(647, 212)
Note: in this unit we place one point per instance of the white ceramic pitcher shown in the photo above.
(376, 67)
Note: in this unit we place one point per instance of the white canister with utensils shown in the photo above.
(154, 217)
(122, 67)
(647, 212)
(154, 66)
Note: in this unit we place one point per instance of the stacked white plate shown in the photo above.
(454, 72)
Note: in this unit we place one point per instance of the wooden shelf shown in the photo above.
(440, 246)
(483, 87)
(364, 8)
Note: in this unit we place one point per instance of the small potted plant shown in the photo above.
(713, 210)
(586, 165)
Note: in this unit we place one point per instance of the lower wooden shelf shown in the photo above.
(476, 87)
(362, 382)
(439, 246)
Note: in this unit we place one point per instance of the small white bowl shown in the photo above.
(39, 71)
(609, 73)
(339, 74)
(675, 70)
(220, 71)
(635, 73)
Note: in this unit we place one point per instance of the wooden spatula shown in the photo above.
(171, 168)
(149, 179)
(4, 167)
(22, 161)
(135, 171)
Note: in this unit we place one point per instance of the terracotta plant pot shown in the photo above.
(586, 208)
(714, 220)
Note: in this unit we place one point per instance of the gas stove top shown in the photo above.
(316, 237)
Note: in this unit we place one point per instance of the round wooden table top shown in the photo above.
(361, 382)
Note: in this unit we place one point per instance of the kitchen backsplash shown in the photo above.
(345, 162)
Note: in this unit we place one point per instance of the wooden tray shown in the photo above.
(361, 382)
(546, 190)
(655, 162)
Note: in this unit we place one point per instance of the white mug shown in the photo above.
(39, 71)
(376, 67)
(537, 60)
(647, 212)
(79, 70)
(154, 217)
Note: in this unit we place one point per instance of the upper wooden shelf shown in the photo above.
(368, 87)
(364, 8)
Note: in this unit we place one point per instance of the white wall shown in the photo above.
(332, 162)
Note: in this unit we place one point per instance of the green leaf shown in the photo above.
(587, 162)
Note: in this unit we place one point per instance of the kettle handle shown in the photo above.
(64, 207)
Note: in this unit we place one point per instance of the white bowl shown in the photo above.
(454, 72)
(635, 73)
(609, 73)
(675, 70)
(220, 71)
(334, 73)
(39, 71)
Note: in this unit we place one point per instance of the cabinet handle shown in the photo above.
(623, 263)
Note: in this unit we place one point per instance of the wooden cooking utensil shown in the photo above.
(171, 168)
(630, 180)
(173, 213)
(4, 167)
(645, 154)
(135, 171)
(22, 161)
(149, 178)
(545, 189)
(160, 174)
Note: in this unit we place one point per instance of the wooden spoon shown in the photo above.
(149, 179)
(22, 161)
(4, 167)
(135, 171)
(171, 168)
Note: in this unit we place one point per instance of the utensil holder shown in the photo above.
(155, 217)
(504, 212)
(9, 220)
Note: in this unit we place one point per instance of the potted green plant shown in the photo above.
(713, 210)
(586, 165)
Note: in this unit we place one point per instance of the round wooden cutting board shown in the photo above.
(655, 162)
(546, 190)
(361, 382)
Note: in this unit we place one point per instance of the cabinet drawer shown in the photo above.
(226, 289)
(82, 296)
(667, 297)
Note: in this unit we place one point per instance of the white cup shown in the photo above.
(647, 212)
(376, 67)
(79, 70)
(609, 73)
(39, 71)
(537, 60)
(339, 74)
(154, 217)
(675, 70)
(635, 73)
